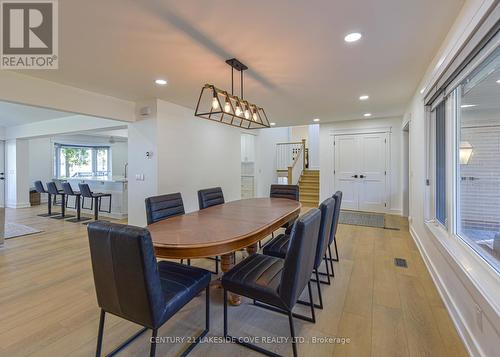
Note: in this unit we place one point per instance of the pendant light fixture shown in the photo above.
(218, 105)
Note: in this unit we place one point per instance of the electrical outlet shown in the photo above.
(479, 318)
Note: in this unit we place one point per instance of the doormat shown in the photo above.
(365, 219)
(12, 230)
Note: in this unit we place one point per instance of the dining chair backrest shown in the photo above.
(52, 188)
(126, 277)
(162, 207)
(299, 261)
(210, 197)
(68, 189)
(327, 208)
(39, 187)
(85, 190)
(285, 191)
(336, 215)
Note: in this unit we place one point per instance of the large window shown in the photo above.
(81, 161)
(478, 159)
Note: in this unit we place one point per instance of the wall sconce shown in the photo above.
(465, 152)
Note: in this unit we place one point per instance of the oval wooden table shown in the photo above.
(221, 230)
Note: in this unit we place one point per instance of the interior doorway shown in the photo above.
(361, 170)
(405, 179)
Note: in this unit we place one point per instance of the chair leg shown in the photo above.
(336, 250)
(152, 351)
(319, 290)
(260, 244)
(225, 313)
(331, 260)
(292, 332)
(100, 334)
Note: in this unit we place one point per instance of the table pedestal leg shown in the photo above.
(226, 263)
(252, 249)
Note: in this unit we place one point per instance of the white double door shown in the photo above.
(361, 171)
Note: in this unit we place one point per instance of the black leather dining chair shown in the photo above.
(275, 281)
(54, 192)
(210, 197)
(278, 247)
(162, 207)
(131, 284)
(159, 208)
(40, 189)
(207, 198)
(333, 239)
(290, 192)
(68, 191)
(95, 199)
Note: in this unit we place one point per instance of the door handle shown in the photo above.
(355, 176)
(2, 178)
(362, 176)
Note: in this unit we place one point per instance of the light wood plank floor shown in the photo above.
(48, 305)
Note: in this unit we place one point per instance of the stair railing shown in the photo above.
(291, 160)
(298, 165)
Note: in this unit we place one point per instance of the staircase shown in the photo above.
(309, 188)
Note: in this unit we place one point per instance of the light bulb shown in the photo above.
(247, 113)
(254, 116)
(238, 110)
(227, 107)
(215, 103)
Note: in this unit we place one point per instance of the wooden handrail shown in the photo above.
(290, 143)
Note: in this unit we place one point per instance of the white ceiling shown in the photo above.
(300, 66)
(15, 114)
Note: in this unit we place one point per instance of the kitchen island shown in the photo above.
(116, 186)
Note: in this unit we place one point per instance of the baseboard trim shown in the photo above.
(463, 330)
(18, 205)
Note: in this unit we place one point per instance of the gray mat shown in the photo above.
(362, 219)
(12, 230)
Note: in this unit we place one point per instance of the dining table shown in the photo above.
(222, 230)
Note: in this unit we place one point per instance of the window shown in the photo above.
(478, 159)
(81, 161)
(440, 163)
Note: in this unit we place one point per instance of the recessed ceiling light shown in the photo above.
(367, 114)
(352, 37)
(498, 81)
(422, 90)
(467, 105)
(316, 120)
(272, 124)
(161, 82)
(364, 97)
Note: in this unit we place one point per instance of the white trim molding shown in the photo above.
(459, 268)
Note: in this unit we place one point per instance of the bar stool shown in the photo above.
(95, 199)
(40, 189)
(68, 190)
(52, 189)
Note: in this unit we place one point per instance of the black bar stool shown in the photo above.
(95, 199)
(52, 189)
(40, 189)
(68, 190)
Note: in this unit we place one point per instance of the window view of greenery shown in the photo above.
(478, 187)
(75, 161)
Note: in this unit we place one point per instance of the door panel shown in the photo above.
(372, 191)
(346, 167)
(360, 171)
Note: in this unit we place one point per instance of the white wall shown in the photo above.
(314, 147)
(17, 178)
(194, 153)
(265, 147)
(463, 279)
(40, 161)
(142, 138)
(299, 132)
(327, 187)
(119, 157)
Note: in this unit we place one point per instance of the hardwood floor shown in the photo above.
(48, 305)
